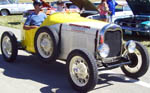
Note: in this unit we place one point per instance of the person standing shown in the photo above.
(103, 10)
(111, 4)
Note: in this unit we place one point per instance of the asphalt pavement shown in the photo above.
(30, 75)
(17, 32)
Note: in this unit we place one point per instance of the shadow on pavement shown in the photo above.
(107, 79)
(14, 23)
(53, 75)
(29, 67)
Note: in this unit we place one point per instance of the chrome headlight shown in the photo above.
(103, 50)
(130, 46)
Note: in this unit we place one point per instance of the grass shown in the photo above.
(145, 40)
(14, 21)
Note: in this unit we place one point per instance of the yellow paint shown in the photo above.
(56, 18)
(28, 42)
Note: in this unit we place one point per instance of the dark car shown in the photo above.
(139, 23)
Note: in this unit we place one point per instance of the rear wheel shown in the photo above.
(46, 44)
(139, 62)
(82, 70)
(9, 46)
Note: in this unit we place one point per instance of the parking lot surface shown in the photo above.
(30, 75)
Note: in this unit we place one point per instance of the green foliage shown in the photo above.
(11, 21)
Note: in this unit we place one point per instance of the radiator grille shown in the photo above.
(114, 40)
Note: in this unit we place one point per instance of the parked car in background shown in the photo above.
(139, 23)
(13, 7)
(121, 11)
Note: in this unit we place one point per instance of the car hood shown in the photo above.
(86, 4)
(139, 7)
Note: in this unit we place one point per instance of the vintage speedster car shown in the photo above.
(139, 23)
(87, 46)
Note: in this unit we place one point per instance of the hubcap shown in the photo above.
(79, 71)
(4, 13)
(45, 45)
(7, 47)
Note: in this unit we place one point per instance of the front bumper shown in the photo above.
(114, 62)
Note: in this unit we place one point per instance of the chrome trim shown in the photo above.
(101, 50)
(112, 27)
(108, 27)
(128, 46)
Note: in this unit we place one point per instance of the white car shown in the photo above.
(13, 7)
(121, 11)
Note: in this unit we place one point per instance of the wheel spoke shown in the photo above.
(79, 71)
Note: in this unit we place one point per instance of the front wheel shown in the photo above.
(9, 46)
(139, 62)
(82, 70)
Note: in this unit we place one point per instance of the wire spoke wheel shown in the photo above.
(82, 70)
(79, 71)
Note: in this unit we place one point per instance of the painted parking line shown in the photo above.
(138, 82)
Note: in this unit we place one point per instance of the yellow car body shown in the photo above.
(56, 18)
